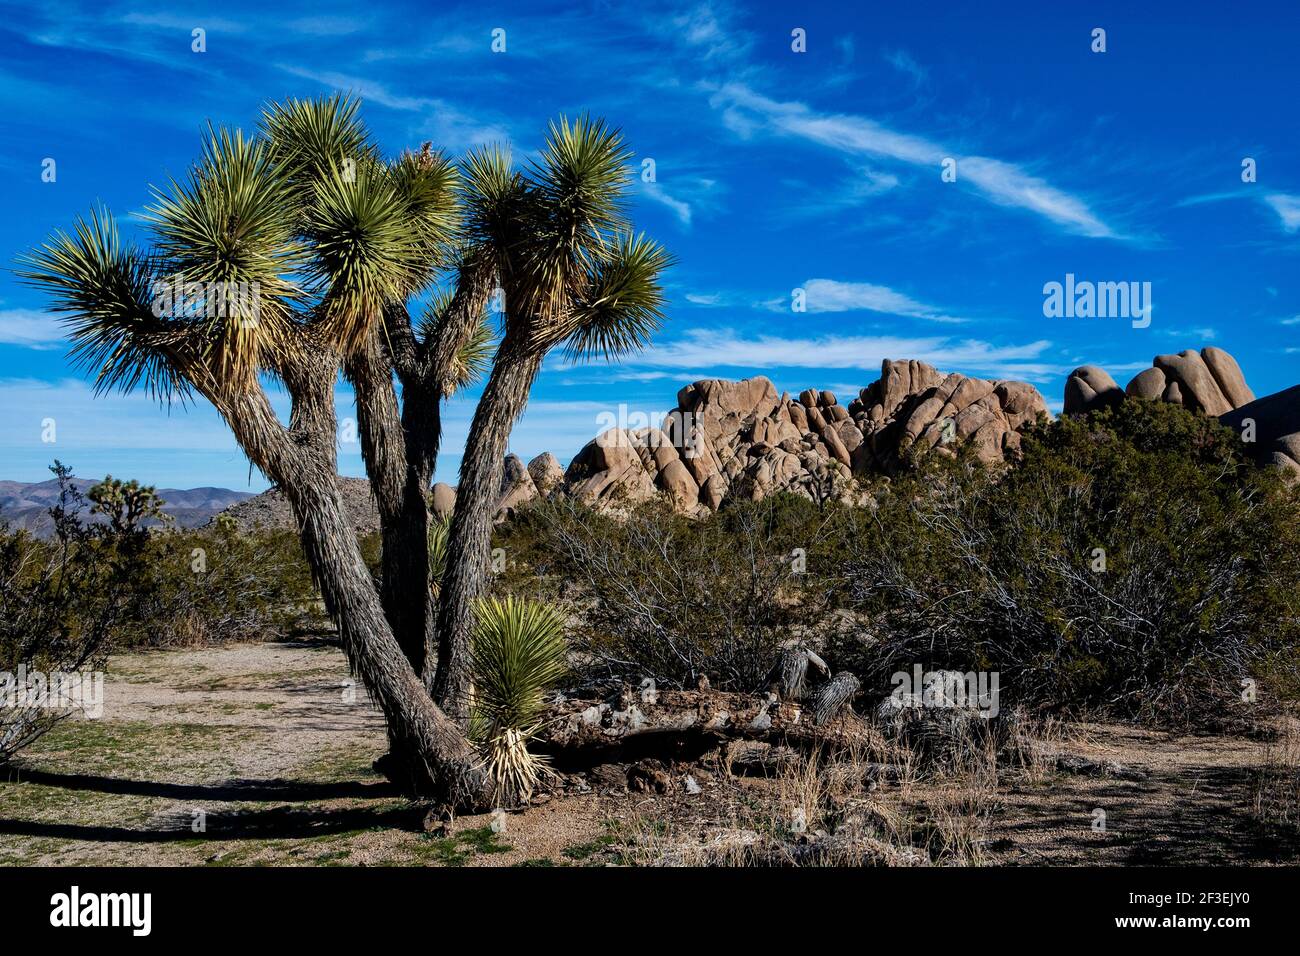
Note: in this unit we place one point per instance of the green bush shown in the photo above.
(1133, 562)
(674, 598)
(62, 600)
(219, 585)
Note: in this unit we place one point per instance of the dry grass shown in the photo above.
(1276, 791)
(876, 802)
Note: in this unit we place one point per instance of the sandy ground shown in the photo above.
(260, 754)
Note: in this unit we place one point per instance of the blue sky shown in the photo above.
(775, 171)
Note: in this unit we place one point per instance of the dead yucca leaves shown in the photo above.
(517, 654)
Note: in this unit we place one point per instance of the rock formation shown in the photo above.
(1089, 388)
(1276, 432)
(914, 404)
(1209, 381)
(742, 439)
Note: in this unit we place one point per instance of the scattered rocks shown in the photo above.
(649, 776)
(1083, 766)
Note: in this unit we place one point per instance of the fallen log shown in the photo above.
(683, 724)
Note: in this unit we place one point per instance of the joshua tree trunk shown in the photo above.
(403, 514)
(469, 545)
(438, 759)
(445, 764)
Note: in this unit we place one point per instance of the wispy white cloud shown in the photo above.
(1005, 184)
(448, 125)
(370, 90)
(679, 207)
(327, 26)
(30, 328)
(727, 349)
(903, 62)
(709, 27)
(1285, 205)
(186, 24)
(832, 295)
(1205, 334)
(1287, 208)
(710, 299)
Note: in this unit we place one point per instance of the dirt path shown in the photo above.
(1194, 804)
(261, 754)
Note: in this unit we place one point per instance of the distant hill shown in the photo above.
(26, 504)
(271, 510)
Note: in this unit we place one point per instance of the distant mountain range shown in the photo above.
(26, 504)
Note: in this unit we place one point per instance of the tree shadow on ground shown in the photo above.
(238, 790)
(272, 824)
(1198, 816)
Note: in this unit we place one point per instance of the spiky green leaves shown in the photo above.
(105, 289)
(427, 182)
(472, 358)
(377, 235)
(566, 257)
(517, 653)
(304, 236)
(578, 187)
(439, 535)
(364, 254)
(227, 251)
(310, 139)
(582, 173)
(622, 303)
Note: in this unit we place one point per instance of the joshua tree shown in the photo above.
(298, 253)
(126, 504)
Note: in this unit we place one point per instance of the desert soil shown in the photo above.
(261, 753)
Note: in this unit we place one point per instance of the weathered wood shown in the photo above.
(694, 721)
(833, 697)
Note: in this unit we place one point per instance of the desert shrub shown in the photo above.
(61, 601)
(676, 598)
(221, 585)
(1133, 562)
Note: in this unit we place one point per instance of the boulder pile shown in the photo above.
(743, 439)
(1208, 381)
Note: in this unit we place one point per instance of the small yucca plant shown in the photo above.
(439, 533)
(517, 654)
